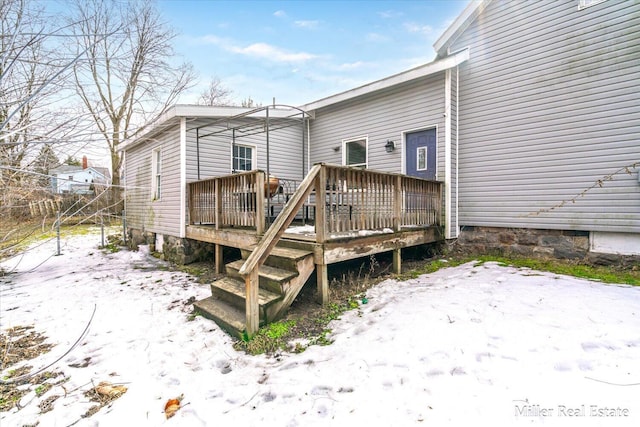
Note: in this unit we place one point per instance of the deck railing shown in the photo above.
(355, 200)
(229, 201)
(360, 199)
(344, 200)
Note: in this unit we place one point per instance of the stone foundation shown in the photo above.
(186, 251)
(536, 243)
(136, 237)
(174, 249)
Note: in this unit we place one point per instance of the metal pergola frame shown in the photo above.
(264, 123)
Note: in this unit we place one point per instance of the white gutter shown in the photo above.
(405, 76)
(200, 111)
(457, 230)
(183, 177)
(447, 154)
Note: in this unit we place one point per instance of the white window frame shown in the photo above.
(426, 160)
(254, 157)
(583, 4)
(156, 174)
(364, 165)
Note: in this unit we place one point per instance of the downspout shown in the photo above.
(308, 144)
(198, 150)
(268, 172)
(304, 154)
(447, 153)
(457, 147)
(183, 177)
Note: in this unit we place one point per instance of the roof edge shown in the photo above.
(405, 76)
(466, 17)
(200, 111)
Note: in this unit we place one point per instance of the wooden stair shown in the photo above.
(281, 277)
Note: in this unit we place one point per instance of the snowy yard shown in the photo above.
(470, 345)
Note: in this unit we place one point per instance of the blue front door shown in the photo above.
(420, 154)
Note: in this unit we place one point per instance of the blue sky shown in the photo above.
(301, 51)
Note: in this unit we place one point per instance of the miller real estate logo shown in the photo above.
(526, 409)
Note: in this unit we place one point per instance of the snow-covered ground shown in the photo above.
(470, 345)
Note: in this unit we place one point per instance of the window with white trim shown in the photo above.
(421, 159)
(156, 174)
(244, 158)
(354, 153)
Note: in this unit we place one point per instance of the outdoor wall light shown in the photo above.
(389, 146)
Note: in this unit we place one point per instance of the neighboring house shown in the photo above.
(525, 114)
(67, 179)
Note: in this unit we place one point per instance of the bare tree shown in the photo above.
(216, 94)
(250, 103)
(31, 74)
(126, 78)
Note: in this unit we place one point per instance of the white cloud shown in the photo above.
(259, 50)
(376, 37)
(351, 65)
(267, 51)
(412, 27)
(310, 25)
(280, 13)
(388, 14)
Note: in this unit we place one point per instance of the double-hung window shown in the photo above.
(156, 174)
(354, 152)
(243, 158)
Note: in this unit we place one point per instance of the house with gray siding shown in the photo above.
(548, 129)
(527, 105)
(521, 136)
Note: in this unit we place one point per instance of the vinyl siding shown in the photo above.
(285, 147)
(157, 216)
(549, 104)
(383, 115)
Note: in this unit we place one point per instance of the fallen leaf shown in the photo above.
(172, 406)
(110, 390)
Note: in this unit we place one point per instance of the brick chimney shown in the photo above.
(84, 162)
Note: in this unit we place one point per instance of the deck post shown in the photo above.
(322, 279)
(260, 212)
(397, 204)
(219, 259)
(218, 203)
(397, 261)
(320, 217)
(252, 309)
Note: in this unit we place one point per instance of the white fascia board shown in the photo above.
(405, 76)
(207, 111)
(466, 17)
(172, 115)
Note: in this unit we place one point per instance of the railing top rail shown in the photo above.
(231, 175)
(374, 172)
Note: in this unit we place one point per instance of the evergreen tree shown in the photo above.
(44, 162)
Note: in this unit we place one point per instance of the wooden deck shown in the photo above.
(350, 213)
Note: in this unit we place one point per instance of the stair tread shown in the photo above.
(220, 310)
(290, 253)
(237, 287)
(272, 273)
